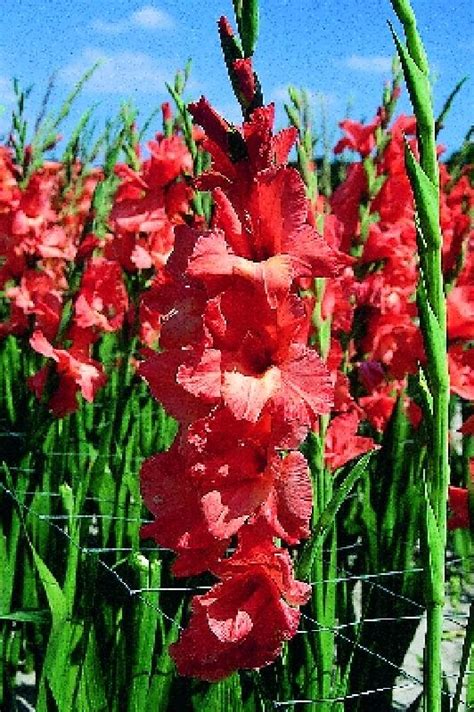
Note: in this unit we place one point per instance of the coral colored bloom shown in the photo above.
(358, 137)
(239, 471)
(103, 299)
(170, 494)
(240, 624)
(458, 502)
(243, 621)
(460, 305)
(264, 359)
(252, 356)
(273, 246)
(342, 442)
(37, 294)
(76, 373)
(169, 158)
(161, 370)
(461, 371)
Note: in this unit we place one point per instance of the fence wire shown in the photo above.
(410, 682)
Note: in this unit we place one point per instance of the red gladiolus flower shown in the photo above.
(359, 137)
(170, 494)
(76, 373)
(149, 201)
(37, 294)
(378, 407)
(458, 502)
(149, 318)
(103, 299)
(394, 340)
(235, 366)
(468, 427)
(246, 363)
(240, 471)
(342, 442)
(246, 78)
(56, 243)
(243, 621)
(461, 371)
(169, 158)
(345, 202)
(262, 359)
(161, 370)
(298, 383)
(273, 246)
(461, 313)
(215, 127)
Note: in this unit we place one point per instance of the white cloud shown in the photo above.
(145, 18)
(109, 28)
(151, 18)
(371, 64)
(119, 72)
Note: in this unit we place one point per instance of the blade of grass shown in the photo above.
(327, 517)
(163, 674)
(466, 656)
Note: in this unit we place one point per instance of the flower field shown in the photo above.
(236, 403)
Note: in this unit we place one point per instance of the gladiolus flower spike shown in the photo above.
(246, 389)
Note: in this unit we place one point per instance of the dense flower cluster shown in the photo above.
(47, 245)
(237, 373)
(373, 302)
(229, 314)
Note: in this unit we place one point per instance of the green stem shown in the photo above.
(424, 180)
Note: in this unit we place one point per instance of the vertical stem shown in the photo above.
(424, 180)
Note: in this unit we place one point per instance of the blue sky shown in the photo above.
(341, 52)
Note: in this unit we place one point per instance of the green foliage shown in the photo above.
(247, 16)
(92, 608)
(431, 301)
(328, 515)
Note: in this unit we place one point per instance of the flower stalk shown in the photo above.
(424, 179)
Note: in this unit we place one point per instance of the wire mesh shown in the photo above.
(408, 685)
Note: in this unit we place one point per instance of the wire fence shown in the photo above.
(409, 683)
